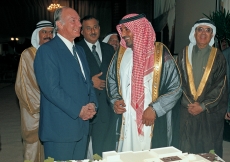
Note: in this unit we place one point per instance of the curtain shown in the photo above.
(162, 6)
(226, 4)
(19, 17)
(164, 13)
(100, 9)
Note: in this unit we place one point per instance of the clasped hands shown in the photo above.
(148, 117)
(97, 82)
(194, 108)
(88, 111)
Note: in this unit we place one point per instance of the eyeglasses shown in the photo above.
(206, 30)
(95, 27)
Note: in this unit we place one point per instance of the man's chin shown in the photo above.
(47, 40)
(75, 35)
(128, 45)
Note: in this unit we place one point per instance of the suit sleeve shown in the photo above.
(111, 81)
(46, 66)
(93, 97)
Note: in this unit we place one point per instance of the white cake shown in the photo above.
(164, 154)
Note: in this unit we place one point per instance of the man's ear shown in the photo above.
(59, 24)
(81, 31)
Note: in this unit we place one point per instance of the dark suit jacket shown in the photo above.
(64, 91)
(105, 111)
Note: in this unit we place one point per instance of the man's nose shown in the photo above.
(123, 33)
(92, 30)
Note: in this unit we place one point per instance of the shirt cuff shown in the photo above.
(157, 107)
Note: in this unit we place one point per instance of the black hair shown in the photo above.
(88, 17)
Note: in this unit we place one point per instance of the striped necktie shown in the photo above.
(78, 61)
(96, 55)
(75, 56)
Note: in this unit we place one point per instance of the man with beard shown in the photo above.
(99, 55)
(205, 96)
(28, 93)
(144, 86)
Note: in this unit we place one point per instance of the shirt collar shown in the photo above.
(67, 42)
(90, 44)
(204, 50)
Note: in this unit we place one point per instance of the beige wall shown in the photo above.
(187, 13)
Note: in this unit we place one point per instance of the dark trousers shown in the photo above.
(99, 131)
(66, 150)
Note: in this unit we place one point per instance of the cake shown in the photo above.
(164, 154)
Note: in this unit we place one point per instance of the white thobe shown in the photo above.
(129, 139)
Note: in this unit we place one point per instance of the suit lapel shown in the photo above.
(82, 61)
(63, 50)
(87, 78)
(90, 54)
(103, 52)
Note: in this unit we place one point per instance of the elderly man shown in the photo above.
(29, 94)
(144, 86)
(113, 40)
(204, 101)
(68, 99)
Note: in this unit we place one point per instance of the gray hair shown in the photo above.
(57, 17)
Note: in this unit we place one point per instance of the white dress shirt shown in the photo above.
(70, 47)
(98, 48)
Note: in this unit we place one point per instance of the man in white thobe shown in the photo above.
(144, 86)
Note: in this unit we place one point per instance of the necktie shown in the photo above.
(75, 56)
(96, 55)
(78, 60)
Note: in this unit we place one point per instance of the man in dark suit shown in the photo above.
(68, 99)
(98, 60)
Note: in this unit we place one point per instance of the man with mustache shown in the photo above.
(112, 39)
(144, 87)
(28, 93)
(205, 95)
(98, 59)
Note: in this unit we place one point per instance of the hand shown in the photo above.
(119, 107)
(149, 116)
(91, 107)
(87, 111)
(227, 116)
(97, 82)
(194, 108)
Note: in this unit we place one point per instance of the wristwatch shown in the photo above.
(152, 107)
